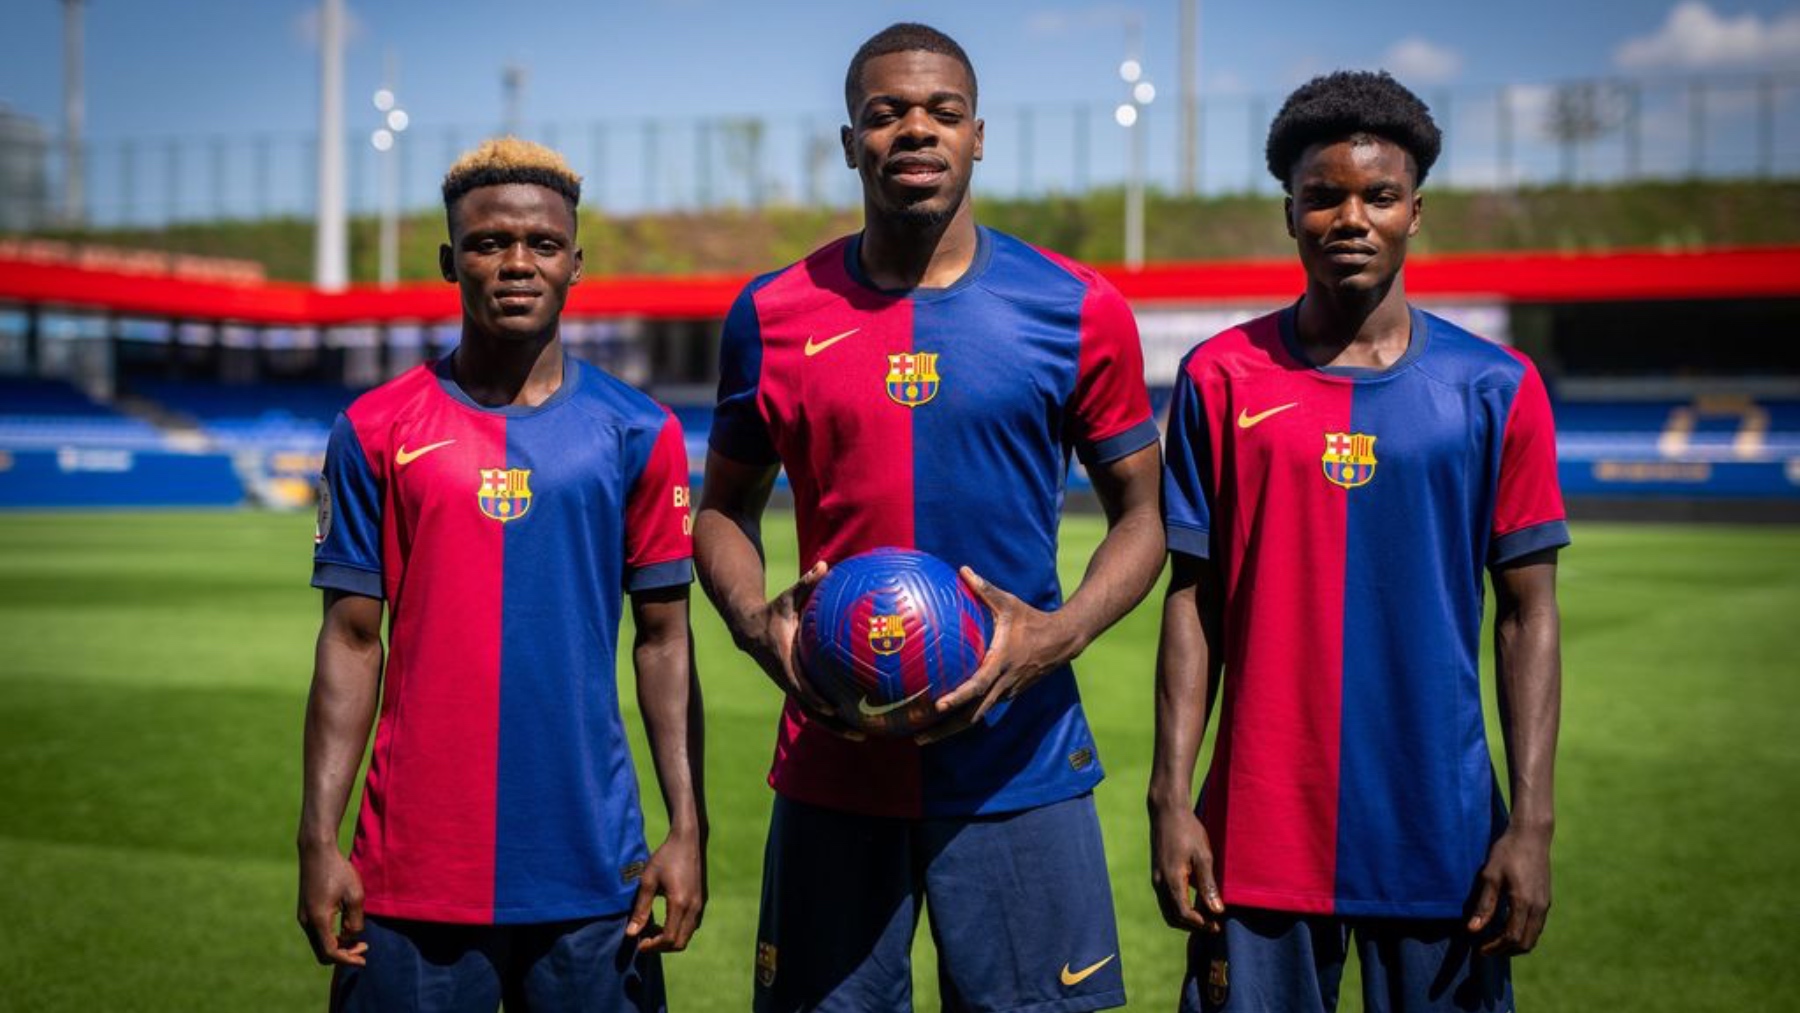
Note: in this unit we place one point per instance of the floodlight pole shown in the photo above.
(1190, 96)
(74, 116)
(330, 245)
(394, 123)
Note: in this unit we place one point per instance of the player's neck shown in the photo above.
(896, 254)
(500, 372)
(1367, 330)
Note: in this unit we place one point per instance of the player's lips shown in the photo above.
(1349, 253)
(914, 171)
(519, 297)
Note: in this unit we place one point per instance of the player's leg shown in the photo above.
(421, 967)
(585, 966)
(1021, 910)
(1415, 966)
(1265, 962)
(839, 907)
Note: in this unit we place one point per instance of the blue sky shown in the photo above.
(244, 67)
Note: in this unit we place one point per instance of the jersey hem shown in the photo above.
(1189, 541)
(999, 804)
(671, 573)
(462, 914)
(1072, 1004)
(1523, 542)
(1316, 904)
(743, 449)
(1124, 444)
(344, 577)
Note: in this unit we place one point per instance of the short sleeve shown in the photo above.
(659, 525)
(347, 540)
(1110, 410)
(1528, 505)
(739, 430)
(1188, 470)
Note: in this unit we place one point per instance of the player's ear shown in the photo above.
(1418, 214)
(1287, 215)
(980, 136)
(847, 138)
(447, 262)
(576, 276)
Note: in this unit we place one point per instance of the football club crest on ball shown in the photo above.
(1349, 459)
(912, 378)
(886, 634)
(505, 493)
(1218, 982)
(765, 964)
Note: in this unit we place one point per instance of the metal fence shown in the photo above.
(1587, 131)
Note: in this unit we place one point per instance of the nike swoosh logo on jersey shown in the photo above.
(1077, 977)
(873, 711)
(815, 347)
(1246, 420)
(404, 457)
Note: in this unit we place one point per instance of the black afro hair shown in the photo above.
(1346, 103)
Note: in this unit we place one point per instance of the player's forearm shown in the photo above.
(669, 698)
(729, 562)
(1185, 670)
(340, 710)
(1527, 640)
(1124, 566)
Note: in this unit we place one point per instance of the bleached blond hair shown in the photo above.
(502, 160)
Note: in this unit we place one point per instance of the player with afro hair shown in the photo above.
(1346, 104)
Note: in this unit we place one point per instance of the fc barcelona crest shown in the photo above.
(765, 964)
(1349, 459)
(505, 493)
(886, 634)
(912, 378)
(1218, 982)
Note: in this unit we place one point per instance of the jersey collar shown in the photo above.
(984, 254)
(1415, 347)
(446, 378)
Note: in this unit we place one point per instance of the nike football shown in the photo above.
(887, 633)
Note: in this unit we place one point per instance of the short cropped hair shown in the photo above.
(502, 160)
(904, 37)
(1345, 104)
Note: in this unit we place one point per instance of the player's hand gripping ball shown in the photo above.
(887, 633)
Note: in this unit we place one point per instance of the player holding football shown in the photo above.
(498, 501)
(1340, 473)
(923, 382)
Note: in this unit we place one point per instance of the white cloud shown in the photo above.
(1695, 37)
(1419, 61)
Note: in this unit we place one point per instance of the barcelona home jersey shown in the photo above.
(500, 788)
(941, 420)
(1352, 514)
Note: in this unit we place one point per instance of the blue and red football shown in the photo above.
(887, 633)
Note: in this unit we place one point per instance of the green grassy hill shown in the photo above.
(1088, 227)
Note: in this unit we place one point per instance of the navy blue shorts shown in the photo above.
(585, 965)
(1019, 904)
(1287, 963)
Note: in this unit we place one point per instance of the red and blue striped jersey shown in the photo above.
(940, 420)
(1351, 514)
(500, 788)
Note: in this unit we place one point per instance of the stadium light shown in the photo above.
(1130, 115)
(386, 139)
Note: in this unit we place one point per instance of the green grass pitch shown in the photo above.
(155, 668)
